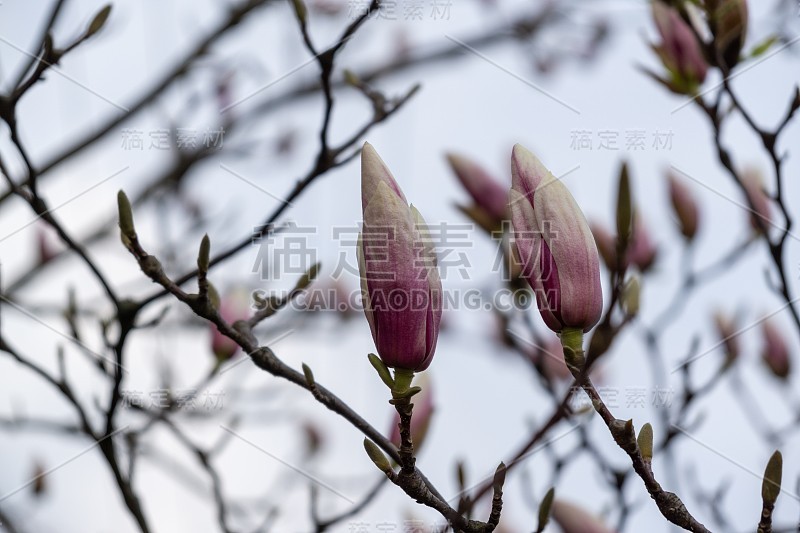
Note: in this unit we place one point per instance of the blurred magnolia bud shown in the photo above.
(420, 418)
(486, 192)
(728, 23)
(775, 352)
(726, 330)
(232, 307)
(98, 21)
(641, 251)
(679, 50)
(223, 89)
(44, 245)
(555, 245)
(39, 479)
(313, 437)
(330, 295)
(761, 214)
(624, 209)
(328, 8)
(574, 519)
(606, 245)
(401, 287)
(685, 207)
(630, 296)
(126, 226)
(771, 482)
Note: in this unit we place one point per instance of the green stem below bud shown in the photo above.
(402, 382)
(572, 341)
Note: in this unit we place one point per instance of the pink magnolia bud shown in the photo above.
(556, 248)
(400, 283)
(641, 250)
(679, 50)
(685, 207)
(574, 519)
(487, 192)
(420, 418)
(775, 352)
(232, 307)
(761, 215)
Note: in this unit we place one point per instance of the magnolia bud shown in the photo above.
(487, 193)
(630, 296)
(98, 21)
(377, 457)
(606, 245)
(556, 247)
(125, 215)
(761, 214)
(641, 251)
(574, 519)
(775, 352)
(45, 248)
(771, 483)
(232, 307)
(645, 442)
(685, 207)
(400, 282)
(726, 330)
(679, 50)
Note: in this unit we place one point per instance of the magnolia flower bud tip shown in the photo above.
(556, 247)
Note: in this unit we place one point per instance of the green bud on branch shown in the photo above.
(771, 485)
(203, 255)
(377, 457)
(645, 442)
(499, 477)
(630, 296)
(301, 10)
(309, 375)
(351, 78)
(544, 509)
(125, 215)
(98, 21)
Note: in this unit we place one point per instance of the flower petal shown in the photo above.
(570, 241)
(397, 279)
(526, 236)
(373, 172)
